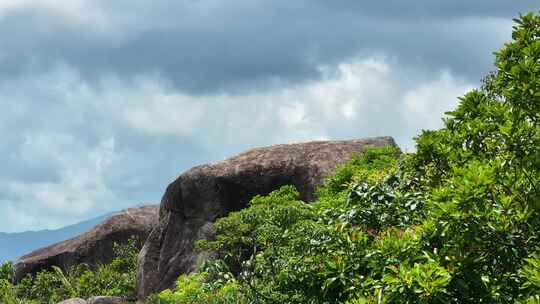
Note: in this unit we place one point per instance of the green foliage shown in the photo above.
(391, 202)
(531, 275)
(481, 174)
(421, 282)
(51, 286)
(195, 289)
(458, 221)
(114, 279)
(8, 292)
(371, 165)
(46, 287)
(517, 80)
(7, 272)
(266, 224)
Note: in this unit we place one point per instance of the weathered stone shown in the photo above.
(193, 202)
(73, 301)
(92, 247)
(106, 300)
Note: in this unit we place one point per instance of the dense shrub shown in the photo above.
(51, 286)
(7, 272)
(8, 292)
(458, 221)
(194, 288)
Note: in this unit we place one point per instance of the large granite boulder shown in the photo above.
(92, 247)
(193, 201)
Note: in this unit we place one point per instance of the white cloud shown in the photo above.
(292, 115)
(426, 103)
(75, 10)
(81, 189)
(150, 106)
(360, 97)
(357, 98)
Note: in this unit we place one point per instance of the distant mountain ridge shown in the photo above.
(14, 245)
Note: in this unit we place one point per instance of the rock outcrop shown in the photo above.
(193, 201)
(92, 247)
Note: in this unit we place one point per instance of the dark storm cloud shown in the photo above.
(433, 9)
(208, 46)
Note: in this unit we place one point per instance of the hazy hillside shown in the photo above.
(13, 245)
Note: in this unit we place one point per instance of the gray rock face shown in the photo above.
(106, 300)
(92, 247)
(199, 196)
(73, 301)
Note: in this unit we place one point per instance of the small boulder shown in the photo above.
(106, 300)
(73, 301)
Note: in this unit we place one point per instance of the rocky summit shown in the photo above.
(92, 247)
(201, 195)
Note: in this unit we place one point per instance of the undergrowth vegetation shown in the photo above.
(116, 278)
(458, 221)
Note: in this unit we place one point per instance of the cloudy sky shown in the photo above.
(103, 103)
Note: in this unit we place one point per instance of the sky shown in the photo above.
(103, 103)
